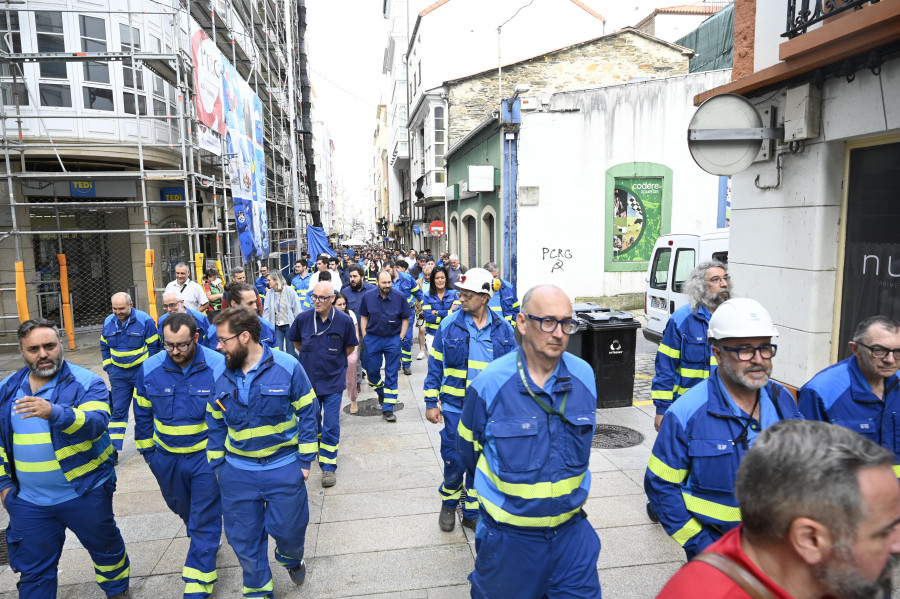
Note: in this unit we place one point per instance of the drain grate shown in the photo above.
(610, 436)
(370, 407)
(4, 551)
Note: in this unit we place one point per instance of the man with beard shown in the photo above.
(170, 397)
(56, 469)
(820, 507)
(262, 440)
(863, 391)
(383, 320)
(705, 434)
(684, 356)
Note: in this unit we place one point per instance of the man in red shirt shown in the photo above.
(820, 506)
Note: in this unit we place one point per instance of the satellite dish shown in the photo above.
(726, 134)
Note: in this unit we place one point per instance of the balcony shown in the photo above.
(803, 14)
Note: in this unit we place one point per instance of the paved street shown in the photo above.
(375, 533)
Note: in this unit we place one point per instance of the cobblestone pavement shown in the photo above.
(375, 533)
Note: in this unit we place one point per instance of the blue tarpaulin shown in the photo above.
(317, 242)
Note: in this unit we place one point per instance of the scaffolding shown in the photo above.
(89, 168)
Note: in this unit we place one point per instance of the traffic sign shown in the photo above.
(436, 228)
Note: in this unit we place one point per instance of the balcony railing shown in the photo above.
(802, 14)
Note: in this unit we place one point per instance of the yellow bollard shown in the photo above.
(199, 266)
(21, 299)
(151, 286)
(68, 323)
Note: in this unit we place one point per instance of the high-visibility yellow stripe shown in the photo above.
(217, 414)
(328, 447)
(304, 401)
(711, 509)
(453, 391)
(261, 431)
(897, 470)
(326, 460)
(261, 453)
(103, 339)
(463, 431)
(537, 490)
(712, 360)
(90, 406)
(431, 393)
(196, 574)
(200, 445)
(187, 429)
(31, 438)
(79, 422)
(70, 450)
(90, 466)
(659, 394)
(501, 515)
(132, 364)
(496, 308)
(270, 586)
(107, 361)
(142, 401)
(152, 339)
(143, 443)
(121, 563)
(196, 587)
(693, 373)
(664, 349)
(214, 455)
(457, 372)
(125, 354)
(48, 466)
(439, 356)
(306, 447)
(688, 531)
(665, 472)
(477, 365)
(124, 574)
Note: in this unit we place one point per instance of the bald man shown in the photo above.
(129, 337)
(526, 426)
(173, 302)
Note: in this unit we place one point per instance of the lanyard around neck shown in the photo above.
(316, 332)
(538, 400)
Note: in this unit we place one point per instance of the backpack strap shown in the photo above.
(749, 583)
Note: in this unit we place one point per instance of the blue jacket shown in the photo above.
(262, 285)
(301, 286)
(684, 358)
(266, 335)
(841, 394)
(449, 363)
(202, 325)
(439, 305)
(170, 406)
(692, 468)
(279, 418)
(78, 422)
(407, 285)
(530, 467)
(123, 350)
(505, 302)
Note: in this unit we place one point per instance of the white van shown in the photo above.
(674, 257)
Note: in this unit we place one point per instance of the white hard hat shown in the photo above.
(741, 317)
(478, 280)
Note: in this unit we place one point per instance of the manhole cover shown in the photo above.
(370, 407)
(610, 436)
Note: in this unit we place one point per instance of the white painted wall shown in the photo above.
(674, 27)
(566, 155)
(771, 21)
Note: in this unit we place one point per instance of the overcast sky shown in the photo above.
(346, 41)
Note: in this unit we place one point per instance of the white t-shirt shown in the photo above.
(192, 292)
(335, 280)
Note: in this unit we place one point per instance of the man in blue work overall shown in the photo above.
(262, 440)
(464, 344)
(56, 471)
(383, 320)
(324, 337)
(262, 283)
(861, 392)
(243, 295)
(129, 336)
(525, 433)
(504, 300)
(708, 431)
(170, 397)
(406, 285)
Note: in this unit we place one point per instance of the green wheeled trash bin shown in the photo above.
(608, 346)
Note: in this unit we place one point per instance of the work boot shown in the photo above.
(447, 518)
(298, 574)
(116, 463)
(123, 595)
(389, 416)
(328, 478)
(470, 523)
(407, 371)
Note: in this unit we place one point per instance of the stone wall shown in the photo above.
(609, 60)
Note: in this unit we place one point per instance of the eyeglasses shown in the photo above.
(881, 353)
(549, 324)
(745, 354)
(320, 298)
(716, 280)
(175, 305)
(224, 340)
(466, 295)
(170, 347)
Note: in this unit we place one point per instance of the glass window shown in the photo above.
(55, 95)
(159, 107)
(128, 103)
(93, 39)
(98, 98)
(9, 91)
(660, 277)
(684, 264)
(15, 38)
(131, 37)
(49, 26)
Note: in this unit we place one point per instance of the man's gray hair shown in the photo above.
(695, 286)
(237, 270)
(862, 329)
(805, 468)
(491, 267)
(180, 264)
(35, 323)
(127, 295)
(179, 297)
(454, 257)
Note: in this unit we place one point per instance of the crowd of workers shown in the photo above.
(237, 389)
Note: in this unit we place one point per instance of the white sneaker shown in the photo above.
(421, 355)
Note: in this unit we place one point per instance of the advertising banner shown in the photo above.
(636, 218)
(246, 163)
(208, 62)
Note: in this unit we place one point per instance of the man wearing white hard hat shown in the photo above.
(464, 344)
(706, 433)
